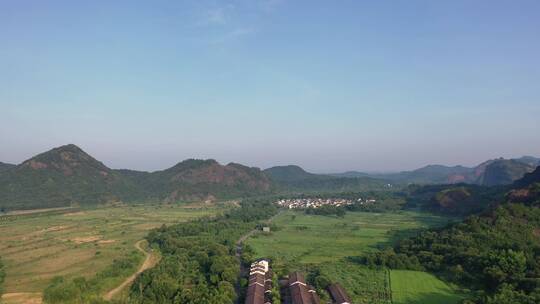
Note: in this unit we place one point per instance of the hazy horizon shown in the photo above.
(343, 170)
(381, 86)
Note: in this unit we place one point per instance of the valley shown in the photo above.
(329, 245)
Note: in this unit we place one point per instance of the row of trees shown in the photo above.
(199, 263)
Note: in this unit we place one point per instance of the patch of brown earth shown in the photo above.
(53, 229)
(75, 213)
(36, 165)
(85, 239)
(22, 298)
(106, 241)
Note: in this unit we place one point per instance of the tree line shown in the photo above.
(496, 254)
(199, 263)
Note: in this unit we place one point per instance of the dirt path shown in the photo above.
(239, 245)
(150, 261)
(22, 298)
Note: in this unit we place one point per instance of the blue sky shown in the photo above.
(329, 85)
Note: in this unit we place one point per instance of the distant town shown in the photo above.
(305, 203)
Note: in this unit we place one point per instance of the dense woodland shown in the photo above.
(458, 199)
(495, 253)
(199, 263)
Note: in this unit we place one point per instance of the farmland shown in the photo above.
(303, 241)
(410, 287)
(82, 242)
(314, 239)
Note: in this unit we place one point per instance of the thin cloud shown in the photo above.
(270, 5)
(233, 35)
(216, 16)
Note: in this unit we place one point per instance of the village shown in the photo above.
(293, 289)
(305, 203)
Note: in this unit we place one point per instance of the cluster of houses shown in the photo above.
(293, 289)
(304, 203)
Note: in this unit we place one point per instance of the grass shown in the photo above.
(364, 285)
(304, 241)
(37, 247)
(418, 287)
(305, 238)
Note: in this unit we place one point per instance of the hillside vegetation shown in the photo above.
(489, 173)
(199, 263)
(68, 176)
(496, 253)
(293, 179)
(459, 199)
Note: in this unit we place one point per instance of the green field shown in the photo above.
(306, 241)
(410, 287)
(37, 247)
(305, 238)
(364, 285)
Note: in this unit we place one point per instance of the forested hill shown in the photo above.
(195, 179)
(496, 253)
(67, 175)
(5, 167)
(60, 177)
(489, 173)
(291, 173)
(295, 179)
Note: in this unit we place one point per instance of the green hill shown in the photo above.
(5, 167)
(67, 176)
(195, 179)
(504, 172)
(60, 177)
(295, 179)
(496, 254)
(489, 173)
(290, 173)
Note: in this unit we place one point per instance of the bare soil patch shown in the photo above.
(85, 239)
(106, 241)
(22, 298)
(53, 229)
(75, 213)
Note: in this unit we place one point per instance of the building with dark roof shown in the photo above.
(338, 294)
(314, 296)
(300, 292)
(255, 294)
(259, 287)
(296, 278)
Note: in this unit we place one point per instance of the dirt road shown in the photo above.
(150, 261)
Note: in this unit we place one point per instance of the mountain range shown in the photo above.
(69, 176)
(293, 178)
(489, 173)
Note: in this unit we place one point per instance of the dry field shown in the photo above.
(36, 247)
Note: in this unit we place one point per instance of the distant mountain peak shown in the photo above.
(288, 173)
(68, 159)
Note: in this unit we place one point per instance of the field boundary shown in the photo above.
(390, 296)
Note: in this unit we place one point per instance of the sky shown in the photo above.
(328, 85)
